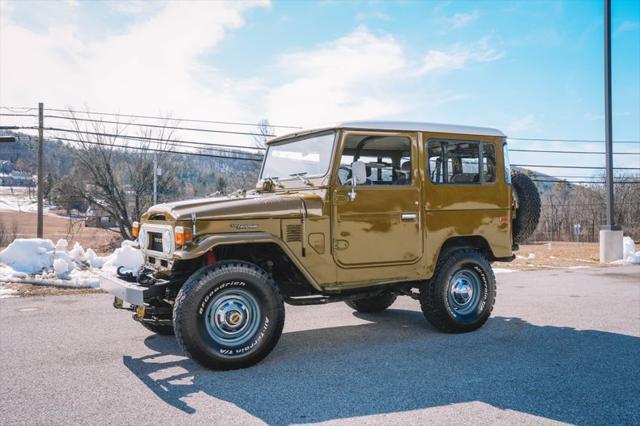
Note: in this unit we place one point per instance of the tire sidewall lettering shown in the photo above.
(259, 336)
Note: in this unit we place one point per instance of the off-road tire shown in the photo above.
(161, 329)
(372, 304)
(434, 294)
(206, 286)
(528, 210)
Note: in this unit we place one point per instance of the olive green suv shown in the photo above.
(361, 212)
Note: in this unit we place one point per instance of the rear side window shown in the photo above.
(461, 162)
(507, 165)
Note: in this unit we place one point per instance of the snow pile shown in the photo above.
(629, 254)
(39, 261)
(28, 255)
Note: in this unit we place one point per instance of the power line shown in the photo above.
(570, 152)
(160, 126)
(569, 140)
(4, 114)
(145, 138)
(572, 167)
(580, 181)
(160, 150)
(191, 120)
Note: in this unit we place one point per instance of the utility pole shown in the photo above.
(40, 229)
(610, 233)
(155, 179)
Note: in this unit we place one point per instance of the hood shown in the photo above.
(249, 207)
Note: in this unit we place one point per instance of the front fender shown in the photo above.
(208, 243)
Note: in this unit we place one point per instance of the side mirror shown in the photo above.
(358, 177)
(358, 173)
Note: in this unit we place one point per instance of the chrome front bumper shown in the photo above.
(129, 292)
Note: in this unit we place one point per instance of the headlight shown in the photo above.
(166, 242)
(142, 240)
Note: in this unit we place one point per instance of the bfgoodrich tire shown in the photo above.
(461, 294)
(228, 315)
(528, 211)
(372, 304)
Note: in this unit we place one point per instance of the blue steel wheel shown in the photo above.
(460, 295)
(464, 291)
(228, 315)
(232, 317)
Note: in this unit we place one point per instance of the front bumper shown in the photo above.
(129, 292)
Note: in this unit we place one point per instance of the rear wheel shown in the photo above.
(228, 315)
(372, 304)
(461, 294)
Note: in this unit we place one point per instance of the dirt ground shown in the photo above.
(554, 254)
(55, 227)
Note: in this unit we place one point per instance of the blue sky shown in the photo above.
(530, 68)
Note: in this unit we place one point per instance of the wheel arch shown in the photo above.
(265, 251)
(474, 242)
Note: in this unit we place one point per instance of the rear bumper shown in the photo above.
(129, 292)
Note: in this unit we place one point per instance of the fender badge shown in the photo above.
(241, 226)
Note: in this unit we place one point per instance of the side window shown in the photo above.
(488, 163)
(386, 158)
(459, 162)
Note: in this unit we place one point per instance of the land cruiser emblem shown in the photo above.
(243, 225)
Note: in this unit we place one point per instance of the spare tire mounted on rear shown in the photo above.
(527, 206)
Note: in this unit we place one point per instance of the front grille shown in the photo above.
(155, 241)
(294, 233)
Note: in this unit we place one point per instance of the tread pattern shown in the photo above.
(212, 272)
(432, 300)
(529, 205)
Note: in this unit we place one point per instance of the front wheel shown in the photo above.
(228, 315)
(461, 294)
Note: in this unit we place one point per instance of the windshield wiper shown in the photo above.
(302, 178)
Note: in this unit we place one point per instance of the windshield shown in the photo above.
(308, 157)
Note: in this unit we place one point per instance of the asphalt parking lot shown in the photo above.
(562, 346)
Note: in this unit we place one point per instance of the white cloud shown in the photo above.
(154, 65)
(461, 20)
(346, 78)
(628, 26)
(458, 56)
(521, 124)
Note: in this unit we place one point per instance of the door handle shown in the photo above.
(408, 217)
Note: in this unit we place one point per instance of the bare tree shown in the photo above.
(115, 171)
(266, 132)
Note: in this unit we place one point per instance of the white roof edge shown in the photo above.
(411, 126)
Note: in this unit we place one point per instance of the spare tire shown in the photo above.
(527, 207)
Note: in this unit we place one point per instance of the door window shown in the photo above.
(461, 162)
(386, 158)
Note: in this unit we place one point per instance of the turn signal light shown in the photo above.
(135, 228)
(184, 235)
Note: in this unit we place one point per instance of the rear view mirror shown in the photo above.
(358, 173)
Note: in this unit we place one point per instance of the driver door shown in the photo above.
(382, 225)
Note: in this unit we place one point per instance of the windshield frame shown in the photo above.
(295, 139)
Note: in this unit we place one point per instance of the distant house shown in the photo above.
(98, 217)
(16, 178)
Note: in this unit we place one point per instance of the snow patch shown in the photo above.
(629, 254)
(39, 261)
(28, 255)
(503, 270)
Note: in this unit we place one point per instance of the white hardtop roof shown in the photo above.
(410, 126)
